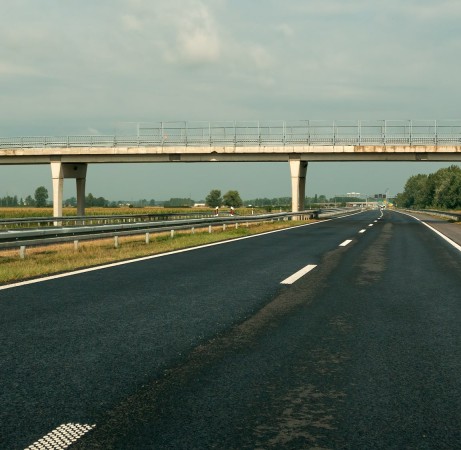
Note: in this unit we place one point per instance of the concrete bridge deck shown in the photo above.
(261, 153)
(298, 143)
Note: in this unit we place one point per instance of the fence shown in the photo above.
(258, 133)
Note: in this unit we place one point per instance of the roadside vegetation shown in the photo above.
(53, 259)
(33, 212)
(439, 190)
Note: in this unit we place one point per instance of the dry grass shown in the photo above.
(52, 259)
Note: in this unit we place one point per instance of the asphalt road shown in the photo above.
(208, 349)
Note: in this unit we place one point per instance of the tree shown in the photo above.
(416, 193)
(214, 199)
(232, 198)
(447, 187)
(41, 196)
(178, 202)
(72, 201)
(89, 200)
(29, 201)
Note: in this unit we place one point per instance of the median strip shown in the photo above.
(300, 273)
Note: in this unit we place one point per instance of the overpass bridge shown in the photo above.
(295, 142)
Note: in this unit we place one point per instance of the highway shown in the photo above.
(343, 334)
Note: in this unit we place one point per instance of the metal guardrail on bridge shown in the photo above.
(258, 133)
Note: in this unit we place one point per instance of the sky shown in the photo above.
(85, 66)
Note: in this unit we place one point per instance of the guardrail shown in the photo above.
(99, 220)
(433, 212)
(258, 133)
(47, 236)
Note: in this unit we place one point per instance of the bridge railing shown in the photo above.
(258, 133)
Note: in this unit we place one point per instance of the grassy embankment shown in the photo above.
(52, 259)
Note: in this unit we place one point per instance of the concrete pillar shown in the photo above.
(298, 171)
(59, 171)
(81, 196)
(58, 185)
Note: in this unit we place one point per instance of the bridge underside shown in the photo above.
(71, 162)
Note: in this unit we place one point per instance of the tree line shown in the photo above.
(213, 199)
(39, 199)
(441, 189)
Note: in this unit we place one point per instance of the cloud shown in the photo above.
(131, 23)
(285, 30)
(260, 57)
(12, 69)
(184, 32)
(198, 39)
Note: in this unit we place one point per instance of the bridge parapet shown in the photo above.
(257, 133)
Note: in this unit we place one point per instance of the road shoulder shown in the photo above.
(449, 229)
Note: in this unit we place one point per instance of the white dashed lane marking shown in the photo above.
(362, 231)
(343, 244)
(296, 276)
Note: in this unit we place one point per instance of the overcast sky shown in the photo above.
(81, 66)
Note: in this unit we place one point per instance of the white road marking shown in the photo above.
(362, 231)
(61, 437)
(370, 225)
(453, 243)
(296, 276)
(145, 258)
(347, 242)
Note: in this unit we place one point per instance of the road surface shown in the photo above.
(340, 335)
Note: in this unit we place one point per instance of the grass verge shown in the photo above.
(53, 259)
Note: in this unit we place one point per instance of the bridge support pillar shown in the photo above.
(60, 171)
(298, 171)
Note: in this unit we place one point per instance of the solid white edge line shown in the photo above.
(146, 258)
(346, 242)
(446, 238)
(296, 276)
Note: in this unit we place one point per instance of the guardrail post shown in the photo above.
(22, 252)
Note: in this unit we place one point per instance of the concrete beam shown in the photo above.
(231, 154)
